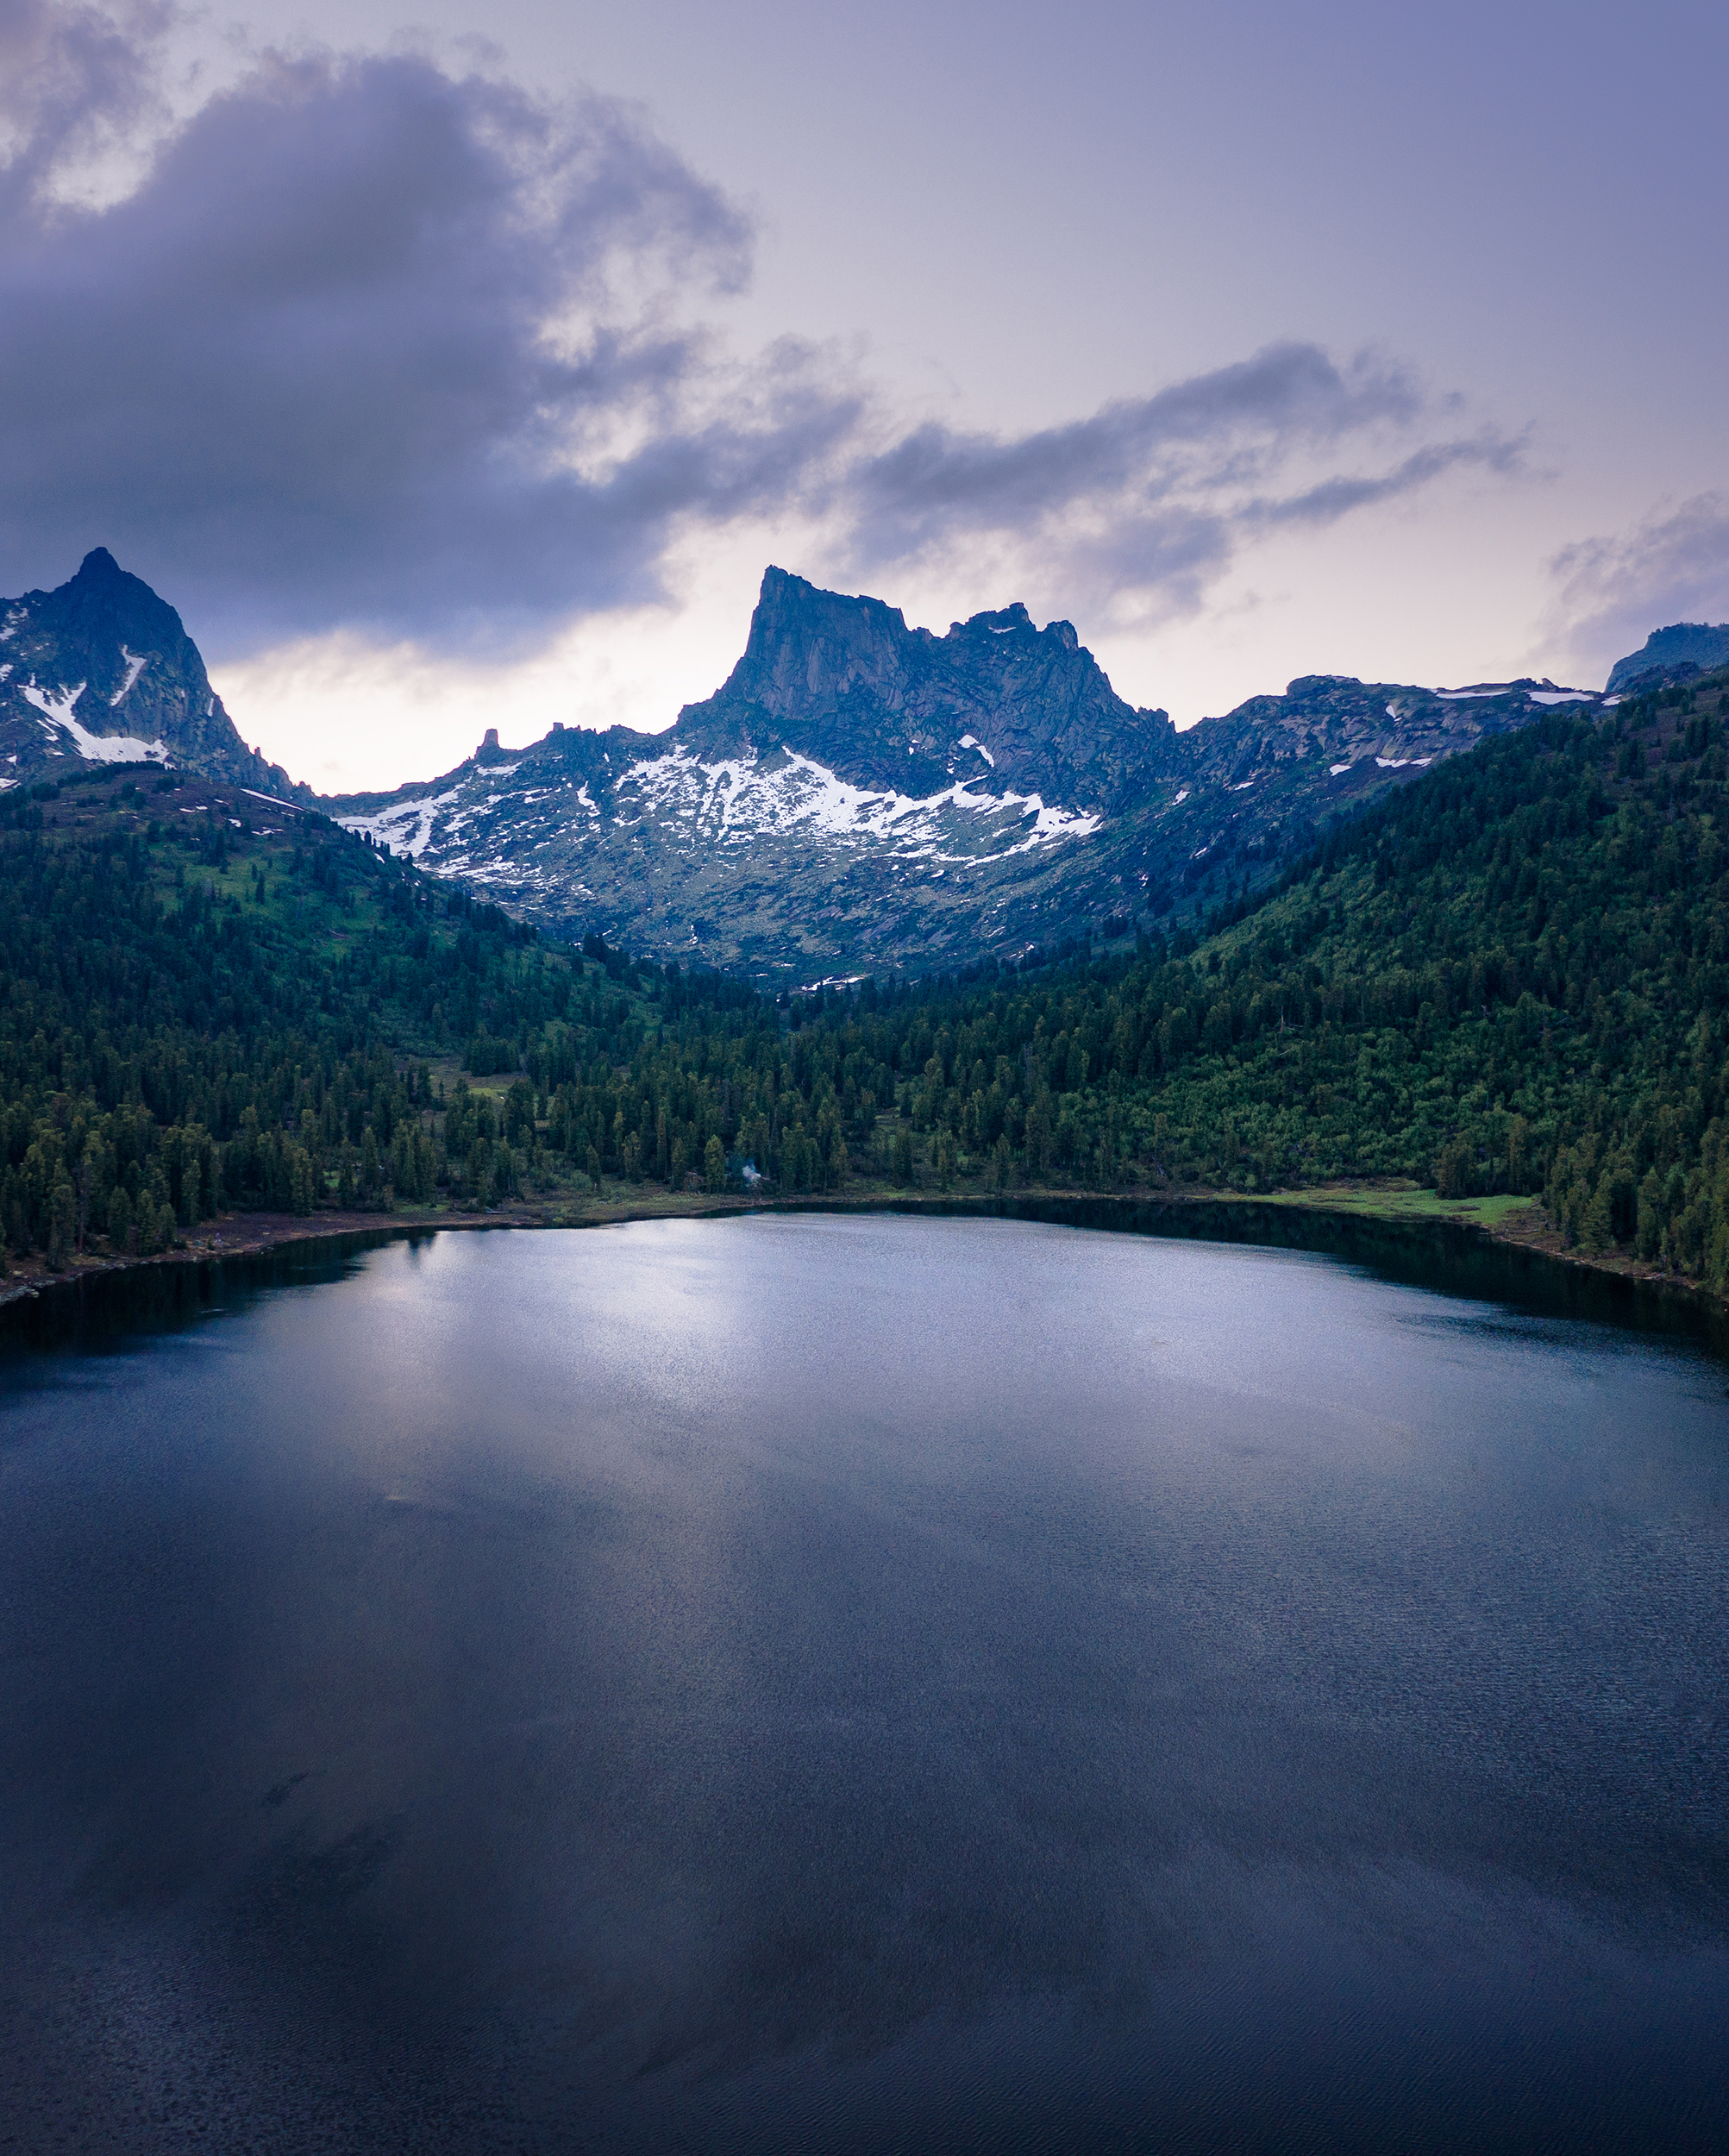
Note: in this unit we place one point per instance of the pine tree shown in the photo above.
(62, 1222)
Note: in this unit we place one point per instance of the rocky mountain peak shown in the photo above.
(1684, 643)
(842, 679)
(101, 670)
(999, 622)
(809, 649)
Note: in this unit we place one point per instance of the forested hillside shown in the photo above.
(206, 1001)
(1511, 976)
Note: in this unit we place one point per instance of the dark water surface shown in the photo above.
(831, 1684)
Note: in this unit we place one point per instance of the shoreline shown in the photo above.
(1342, 1215)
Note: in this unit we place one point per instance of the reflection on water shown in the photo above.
(862, 1684)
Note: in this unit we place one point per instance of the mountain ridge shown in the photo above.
(1697, 644)
(858, 794)
(890, 707)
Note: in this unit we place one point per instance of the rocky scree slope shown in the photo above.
(102, 671)
(860, 795)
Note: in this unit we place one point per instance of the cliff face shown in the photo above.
(844, 681)
(101, 670)
(860, 795)
(1684, 644)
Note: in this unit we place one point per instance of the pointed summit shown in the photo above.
(101, 670)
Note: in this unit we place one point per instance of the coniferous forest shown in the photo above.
(1511, 976)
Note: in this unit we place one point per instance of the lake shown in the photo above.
(862, 1684)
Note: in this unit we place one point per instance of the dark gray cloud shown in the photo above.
(368, 344)
(359, 348)
(1156, 496)
(1332, 498)
(1613, 592)
(1207, 431)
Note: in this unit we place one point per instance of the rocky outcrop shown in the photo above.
(845, 681)
(1694, 644)
(101, 670)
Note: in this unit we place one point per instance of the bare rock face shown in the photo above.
(102, 671)
(845, 681)
(859, 795)
(1684, 647)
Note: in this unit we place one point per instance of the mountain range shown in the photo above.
(856, 796)
(860, 795)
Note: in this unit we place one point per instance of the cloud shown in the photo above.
(934, 479)
(1613, 592)
(364, 344)
(80, 97)
(373, 344)
(1150, 499)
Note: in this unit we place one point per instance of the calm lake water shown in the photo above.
(863, 1684)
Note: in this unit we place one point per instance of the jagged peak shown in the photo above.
(1001, 620)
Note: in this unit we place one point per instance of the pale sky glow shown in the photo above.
(1256, 344)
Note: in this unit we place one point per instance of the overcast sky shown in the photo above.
(462, 367)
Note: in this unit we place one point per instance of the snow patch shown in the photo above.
(734, 796)
(1334, 770)
(972, 741)
(93, 747)
(1562, 696)
(1243, 787)
(731, 805)
(54, 714)
(406, 826)
(135, 667)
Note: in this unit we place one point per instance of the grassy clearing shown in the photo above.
(1401, 1201)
